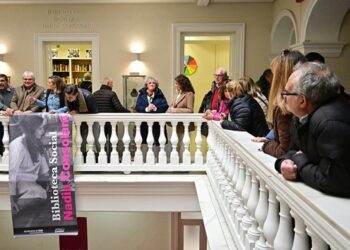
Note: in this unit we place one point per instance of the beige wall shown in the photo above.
(209, 56)
(121, 24)
(106, 230)
(340, 65)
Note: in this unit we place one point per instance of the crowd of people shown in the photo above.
(297, 109)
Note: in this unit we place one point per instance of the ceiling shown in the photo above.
(198, 2)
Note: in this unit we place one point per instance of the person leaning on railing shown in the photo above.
(320, 131)
(245, 113)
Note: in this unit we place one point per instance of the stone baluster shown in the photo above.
(284, 236)
(138, 159)
(246, 222)
(102, 156)
(253, 233)
(186, 158)
(240, 212)
(271, 223)
(90, 155)
(198, 157)
(174, 155)
(301, 239)
(126, 140)
(5, 141)
(162, 155)
(150, 158)
(79, 159)
(317, 243)
(260, 215)
(114, 142)
(230, 164)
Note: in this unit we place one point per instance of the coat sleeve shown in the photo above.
(240, 118)
(141, 104)
(117, 105)
(330, 174)
(162, 105)
(14, 101)
(40, 96)
(280, 145)
(91, 104)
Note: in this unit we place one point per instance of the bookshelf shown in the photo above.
(71, 69)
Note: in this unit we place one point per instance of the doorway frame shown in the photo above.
(42, 38)
(236, 31)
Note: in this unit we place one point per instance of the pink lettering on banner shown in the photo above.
(68, 206)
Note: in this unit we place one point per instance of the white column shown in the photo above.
(174, 156)
(253, 233)
(198, 157)
(271, 223)
(126, 140)
(246, 222)
(150, 159)
(301, 239)
(240, 184)
(102, 156)
(284, 236)
(162, 154)
(114, 141)
(138, 159)
(79, 160)
(186, 158)
(317, 243)
(90, 155)
(260, 215)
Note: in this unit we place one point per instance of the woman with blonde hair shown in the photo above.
(246, 114)
(254, 91)
(277, 114)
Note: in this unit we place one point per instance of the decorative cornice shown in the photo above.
(327, 49)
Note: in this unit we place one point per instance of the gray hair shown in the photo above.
(28, 73)
(151, 78)
(316, 82)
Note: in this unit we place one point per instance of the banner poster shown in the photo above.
(42, 189)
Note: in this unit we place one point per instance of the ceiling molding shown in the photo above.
(199, 2)
(203, 3)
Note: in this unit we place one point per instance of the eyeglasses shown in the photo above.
(152, 83)
(217, 75)
(286, 93)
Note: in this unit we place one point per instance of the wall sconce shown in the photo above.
(136, 66)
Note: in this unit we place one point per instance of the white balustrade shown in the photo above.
(256, 202)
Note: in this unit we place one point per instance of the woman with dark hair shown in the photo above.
(28, 163)
(54, 100)
(265, 81)
(184, 100)
(151, 100)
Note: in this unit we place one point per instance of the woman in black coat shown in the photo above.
(246, 114)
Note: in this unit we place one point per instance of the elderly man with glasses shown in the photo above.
(320, 131)
(211, 99)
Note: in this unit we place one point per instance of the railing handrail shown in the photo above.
(311, 205)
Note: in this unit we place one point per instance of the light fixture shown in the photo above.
(136, 66)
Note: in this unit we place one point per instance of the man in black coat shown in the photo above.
(320, 132)
(107, 102)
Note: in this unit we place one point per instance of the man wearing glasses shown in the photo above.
(320, 131)
(211, 99)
